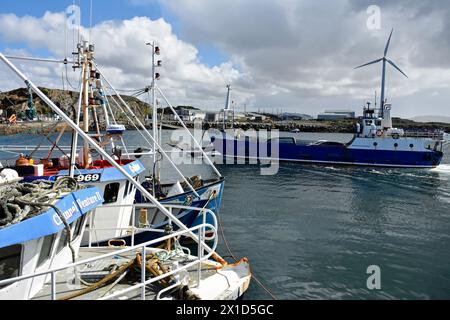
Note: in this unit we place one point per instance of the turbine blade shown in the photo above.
(388, 43)
(393, 64)
(369, 63)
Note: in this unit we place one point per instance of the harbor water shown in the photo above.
(311, 232)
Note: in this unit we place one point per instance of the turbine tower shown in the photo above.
(383, 75)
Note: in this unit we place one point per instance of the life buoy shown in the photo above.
(379, 133)
(13, 119)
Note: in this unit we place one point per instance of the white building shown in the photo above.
(337, 115)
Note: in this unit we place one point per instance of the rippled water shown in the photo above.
(310, 232)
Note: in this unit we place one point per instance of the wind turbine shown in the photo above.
(383, 76)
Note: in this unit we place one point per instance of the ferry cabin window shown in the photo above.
(111, 192)
(10, 262)
(46, 249)
(378, 123)
(368, 122)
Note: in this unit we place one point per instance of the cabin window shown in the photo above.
(368, 122)
(127, 188)
(378, 123)
(10, 262)
(78, 227)
(63, 239)
(46, 249)
(111, 192)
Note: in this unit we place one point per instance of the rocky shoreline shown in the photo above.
(30, 128)
(341, 126)
(15, 101)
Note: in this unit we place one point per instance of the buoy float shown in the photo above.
(22, 161)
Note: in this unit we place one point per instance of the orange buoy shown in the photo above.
(22, 161)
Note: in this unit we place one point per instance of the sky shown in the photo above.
(291, 55)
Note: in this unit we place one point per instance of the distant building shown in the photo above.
(337, 115)
(289, 116)
(255, 117)
(213, 116)
(217, 116)
(191, 114)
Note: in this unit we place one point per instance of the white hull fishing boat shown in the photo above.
(41, 229)
(136, 271)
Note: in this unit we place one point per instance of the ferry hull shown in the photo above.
(327, 154)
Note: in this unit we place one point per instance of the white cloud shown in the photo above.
(125, 59)
(311, 47)
(294, 54)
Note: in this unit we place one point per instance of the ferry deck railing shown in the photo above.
(143, 248)
(438, 136)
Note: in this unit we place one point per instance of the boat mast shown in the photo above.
(155, 76)
(85, 105)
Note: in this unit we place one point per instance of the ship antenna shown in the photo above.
(375, 101)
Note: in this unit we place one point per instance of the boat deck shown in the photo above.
(227, 283)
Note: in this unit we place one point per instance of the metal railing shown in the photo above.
(142, 247)
(425, 134)
(438, 136)
(132, 227)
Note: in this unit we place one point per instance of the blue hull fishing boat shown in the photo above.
(209, 197)
(376, 142)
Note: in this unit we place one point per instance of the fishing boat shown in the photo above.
(375, 143)
(122, 272)
(81, 165)
(41, 227)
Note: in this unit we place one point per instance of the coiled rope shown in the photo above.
(21, 201)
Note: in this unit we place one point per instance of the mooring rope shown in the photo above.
(230, 252)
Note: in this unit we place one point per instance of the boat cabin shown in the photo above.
(117, 191)
(41, 242)
(376, 123)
